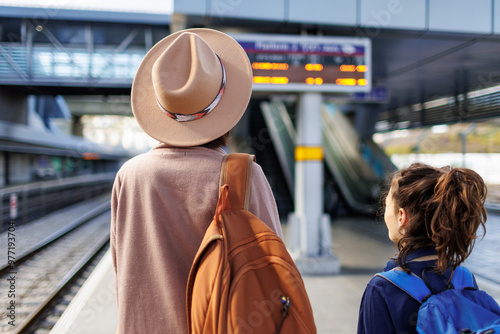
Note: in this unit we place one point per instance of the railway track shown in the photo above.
(35, 278)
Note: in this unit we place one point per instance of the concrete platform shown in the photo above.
(93, 309)
(335, 299)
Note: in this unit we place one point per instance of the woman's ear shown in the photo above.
(403, 218)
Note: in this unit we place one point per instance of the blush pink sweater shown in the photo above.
(162, 203)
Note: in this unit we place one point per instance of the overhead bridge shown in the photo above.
(76, 52)
(68, 66)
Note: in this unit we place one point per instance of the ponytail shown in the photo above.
(459, 201)
(446, 207)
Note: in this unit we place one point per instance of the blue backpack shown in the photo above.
(460, 309)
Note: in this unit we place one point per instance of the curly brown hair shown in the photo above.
(446, 208)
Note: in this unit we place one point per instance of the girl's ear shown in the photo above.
(403, 218)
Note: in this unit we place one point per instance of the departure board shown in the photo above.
(308, 63)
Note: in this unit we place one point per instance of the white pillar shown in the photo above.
(310, 227)
(309, 171)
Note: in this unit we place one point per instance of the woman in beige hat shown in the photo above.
(189, 91)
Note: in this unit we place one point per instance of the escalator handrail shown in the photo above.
(283, 138)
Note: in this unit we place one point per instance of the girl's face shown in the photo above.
(395, 218)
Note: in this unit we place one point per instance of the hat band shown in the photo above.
(199, 114)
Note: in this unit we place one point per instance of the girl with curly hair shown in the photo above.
(432, 216)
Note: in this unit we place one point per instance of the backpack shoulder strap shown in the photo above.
(236, 172)
(409, 283)
(462, 278)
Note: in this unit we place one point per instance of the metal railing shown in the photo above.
(31, 201)
(468, 107)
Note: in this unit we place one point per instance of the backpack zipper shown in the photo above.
(285, 302)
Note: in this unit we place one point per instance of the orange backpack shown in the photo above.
(243, 279)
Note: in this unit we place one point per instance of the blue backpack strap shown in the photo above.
(409, 283)
(462, 278)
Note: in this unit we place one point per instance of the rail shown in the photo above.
(57, 260)
(20, 258)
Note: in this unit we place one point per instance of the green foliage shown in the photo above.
(390, 150)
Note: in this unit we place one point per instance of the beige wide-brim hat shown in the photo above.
(192, 87)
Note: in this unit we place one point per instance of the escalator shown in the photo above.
(356, 179)
(269, 154)
(353, 167)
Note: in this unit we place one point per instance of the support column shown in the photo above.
(367, 115)
(310, 227)
(13, 107)
(177, 22)
(77, 126)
